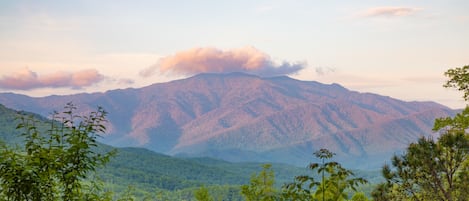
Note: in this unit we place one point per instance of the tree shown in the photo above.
(335, 180)
(128, 194)
(261, 187)
(202, 194)
(429, 169)
(53, 164)
(459, 79)
(359, 196)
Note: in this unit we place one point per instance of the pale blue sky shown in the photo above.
(395, 48)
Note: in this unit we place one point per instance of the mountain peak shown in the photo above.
(225, 75)
(240, 116)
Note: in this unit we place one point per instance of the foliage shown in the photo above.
(261, 187)
(434, 170)
(140, 174)
(8, 122)
(429, 170)
(202, 194)
(459, 79)
(218, 193)
(149, 170)
(359, 196)
(53, 164)
(128, 194)
(333, 185)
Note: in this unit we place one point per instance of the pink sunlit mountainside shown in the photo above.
(241, 117)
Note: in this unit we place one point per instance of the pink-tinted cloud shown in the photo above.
(212, 60)
(26, 79)
(125, 81)
(390, 11)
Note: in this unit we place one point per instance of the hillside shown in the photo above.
(241, 117)
(149, 170)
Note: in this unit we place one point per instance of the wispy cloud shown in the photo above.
(323, 70)
(26, 79)
(389, 11)
(125, 81)
(212, 60)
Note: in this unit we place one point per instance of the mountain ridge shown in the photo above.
(254, 117)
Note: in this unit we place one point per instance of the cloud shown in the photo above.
(323, 70)
(212, 60)
(26, 79)
(125, 81)
(390, 11)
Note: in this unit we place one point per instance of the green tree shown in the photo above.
(261, 187)
(459, 79)
(359, 196)
(53, 164)
(429, 169)
(202, 194)
(335, 180)
(128, 194)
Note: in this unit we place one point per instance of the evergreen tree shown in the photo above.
(429, 170)
(261, 187)
(434, 170)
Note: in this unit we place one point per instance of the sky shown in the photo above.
(393, 48)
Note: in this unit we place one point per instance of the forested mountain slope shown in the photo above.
(148, 170)
(241, 117)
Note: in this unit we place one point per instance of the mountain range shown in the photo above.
(242, 117)
(149, 172)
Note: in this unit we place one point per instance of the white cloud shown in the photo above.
(389, 11)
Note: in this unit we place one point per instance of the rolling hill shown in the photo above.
(241, 117)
